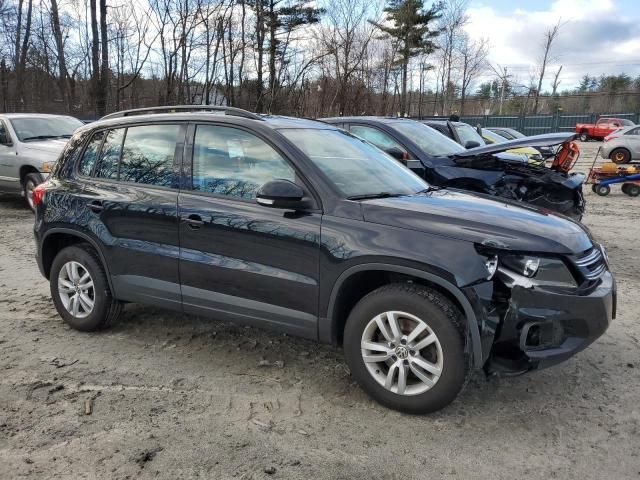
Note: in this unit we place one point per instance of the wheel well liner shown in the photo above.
(340, 304)
(26, 170)
(56, 239)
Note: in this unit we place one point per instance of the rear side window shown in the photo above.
(91, 154)
(148, 154)
(110, 155)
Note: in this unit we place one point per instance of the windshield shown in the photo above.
(428, 139)
(466, 133)
(42, 128)
(354, 166)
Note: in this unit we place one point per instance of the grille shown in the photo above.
(591, 263)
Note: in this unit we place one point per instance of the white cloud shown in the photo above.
(597, 38)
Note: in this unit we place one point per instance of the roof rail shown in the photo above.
(238, 112)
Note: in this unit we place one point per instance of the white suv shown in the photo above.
(29, 146)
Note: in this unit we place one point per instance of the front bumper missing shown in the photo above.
(542, 327)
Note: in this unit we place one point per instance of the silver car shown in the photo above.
(623, 145)
(29, 146)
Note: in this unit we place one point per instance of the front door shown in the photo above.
(132, 194)
(9, 175)
(238, 259)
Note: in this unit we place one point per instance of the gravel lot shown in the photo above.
(163, 395)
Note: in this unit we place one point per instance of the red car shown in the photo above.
(603, 127)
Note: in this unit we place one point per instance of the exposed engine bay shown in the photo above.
(552, 188)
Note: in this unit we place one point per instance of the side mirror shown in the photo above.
(398, 154)
(280, 194)
(471, 144)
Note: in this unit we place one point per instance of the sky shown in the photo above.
(597, 37)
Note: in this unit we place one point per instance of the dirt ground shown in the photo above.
(163, 395)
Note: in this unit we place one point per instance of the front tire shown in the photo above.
(31, 181)
(80, 290)
(404, 344)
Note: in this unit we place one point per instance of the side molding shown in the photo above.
(327, 327)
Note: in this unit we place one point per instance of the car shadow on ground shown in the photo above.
(250, 352)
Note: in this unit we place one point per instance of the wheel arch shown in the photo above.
(340, 303)
(56, 239)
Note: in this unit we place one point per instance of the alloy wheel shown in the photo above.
(76, 289)
(402, 353)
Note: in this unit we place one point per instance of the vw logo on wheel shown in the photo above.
(402, 352)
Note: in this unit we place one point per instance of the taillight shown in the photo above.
(38, 194)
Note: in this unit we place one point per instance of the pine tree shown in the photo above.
(410, 26)
(276, 20)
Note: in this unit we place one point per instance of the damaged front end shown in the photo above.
(540, 310)
(550, 188)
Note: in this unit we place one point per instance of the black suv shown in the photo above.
(299, 226)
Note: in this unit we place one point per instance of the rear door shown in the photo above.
(131, 193)
(238, 259)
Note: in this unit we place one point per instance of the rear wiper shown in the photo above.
(45, 137)
(367, 196)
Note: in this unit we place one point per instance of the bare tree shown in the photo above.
(345, 38)
(547, 45)
(474, 62)
(452, 21)
(21, 49)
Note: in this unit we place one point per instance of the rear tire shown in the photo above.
(419, 368)
(80, 289)
(603, 190)
(584, 137)
(31, 181)
(620, 156)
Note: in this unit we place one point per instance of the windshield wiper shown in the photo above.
(367, 196)
(45, 137)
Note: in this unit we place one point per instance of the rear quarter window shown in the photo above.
(90, 155)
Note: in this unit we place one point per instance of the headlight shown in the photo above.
(522, 264)
(527, 271)
(492, 266)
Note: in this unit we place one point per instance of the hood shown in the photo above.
(480, 219)
(53, 146)
(546, 140)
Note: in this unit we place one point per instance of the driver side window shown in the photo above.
(232, 162)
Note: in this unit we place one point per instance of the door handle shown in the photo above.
(95, 206)
(193, 221)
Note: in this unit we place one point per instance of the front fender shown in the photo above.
(328, 327)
